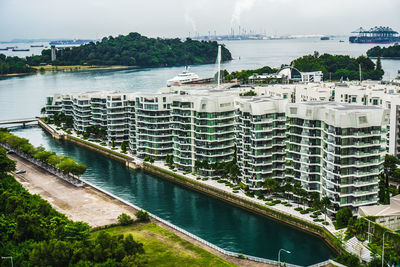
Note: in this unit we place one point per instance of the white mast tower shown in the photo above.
(219, 66)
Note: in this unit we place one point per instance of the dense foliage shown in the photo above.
(136, 50)
(244, 75)
(334, 67)
(35, 234)
(391, 51)
(10, 65)
(342, 217)
(390, 173)
(338, 67)
(63, 163)
(359, 228)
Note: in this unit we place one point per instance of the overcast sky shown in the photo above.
(176, 18)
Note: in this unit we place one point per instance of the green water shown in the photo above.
(222, 224)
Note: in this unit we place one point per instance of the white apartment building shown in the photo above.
(337, 150)
(334, 149)
(260, 141)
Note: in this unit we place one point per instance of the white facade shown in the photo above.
(260, 142)
(334, 149)
(337, 150)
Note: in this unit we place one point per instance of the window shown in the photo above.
(375, 102)
(164, 99)
(362, 119)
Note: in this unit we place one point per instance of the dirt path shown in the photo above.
(89, 205)
(79, 204)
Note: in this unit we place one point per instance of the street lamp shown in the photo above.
(383, 245)
(279, 254)
(11, 259)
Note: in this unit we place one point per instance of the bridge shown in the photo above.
(19, 121)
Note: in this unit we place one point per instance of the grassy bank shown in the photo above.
(163, 248)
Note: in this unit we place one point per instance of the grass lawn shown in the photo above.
(164, 248)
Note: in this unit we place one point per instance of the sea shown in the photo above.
(23, 96)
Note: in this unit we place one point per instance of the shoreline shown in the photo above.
(250, 205)
(72, 68)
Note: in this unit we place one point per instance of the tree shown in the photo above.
(6, 164)
(342, 217)
(326, 204)
(303, 196)
(124, 146)
(142, 216)
(271, 185)
(125, 219)
(378, 64)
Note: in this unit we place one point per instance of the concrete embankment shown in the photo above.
(214, 192)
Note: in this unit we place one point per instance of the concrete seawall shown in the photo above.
(210, 191)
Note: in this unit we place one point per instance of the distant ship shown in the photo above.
(376, 35)
(185, 77)
(37, 45)
(70, 42)
(20, 50)
(323, 38)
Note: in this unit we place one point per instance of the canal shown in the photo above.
(226, 226)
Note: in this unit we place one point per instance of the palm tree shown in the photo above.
(271, 184)
(303, 196)
(326, 203)
(296, 190)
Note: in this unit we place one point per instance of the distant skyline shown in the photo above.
(93, 19)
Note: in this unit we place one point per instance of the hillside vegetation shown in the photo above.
(136, 50)
(9, 65)
(391, 51)
(339, 66)
(334, 67)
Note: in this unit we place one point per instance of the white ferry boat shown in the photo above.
(184, 77)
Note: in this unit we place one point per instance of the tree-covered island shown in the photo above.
(385, 52)
(136, 50)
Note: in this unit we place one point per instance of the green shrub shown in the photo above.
(298, 209)
(303, 211)
(240, 256)
(288, 205)
(235, 191)
(142, 216)
(325, 223)
(204, 179)
(125, 219)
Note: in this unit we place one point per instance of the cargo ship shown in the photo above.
(375, 35)
(70, 42)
